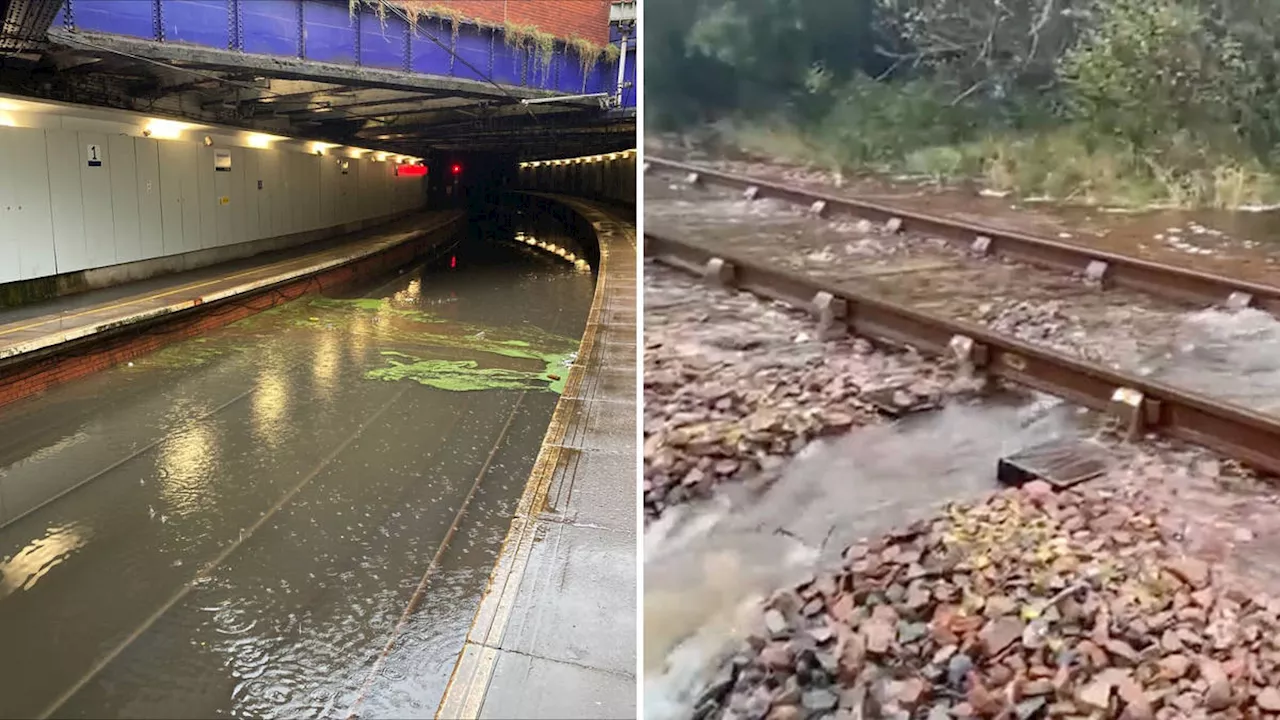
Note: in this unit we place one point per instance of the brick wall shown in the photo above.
(563, 18)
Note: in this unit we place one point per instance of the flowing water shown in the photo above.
(705, 568)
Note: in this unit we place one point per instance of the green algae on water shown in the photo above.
(467, 375)
(457, 375)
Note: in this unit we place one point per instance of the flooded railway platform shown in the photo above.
(294, 515)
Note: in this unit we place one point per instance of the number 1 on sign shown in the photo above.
(95, 157)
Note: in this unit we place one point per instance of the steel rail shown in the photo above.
(1143, 404)
(1115, 269)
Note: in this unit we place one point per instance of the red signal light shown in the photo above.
(453, 261)
(457, 169)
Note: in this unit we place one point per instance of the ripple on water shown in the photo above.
(1232, 355)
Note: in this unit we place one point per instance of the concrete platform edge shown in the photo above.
(53, 339)
(469, 684)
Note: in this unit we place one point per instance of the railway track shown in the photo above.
(1104, 268)
(1142, 404)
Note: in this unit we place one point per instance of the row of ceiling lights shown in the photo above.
(584, 159)
(21, 114)
(173, 130)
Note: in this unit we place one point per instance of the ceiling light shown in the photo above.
(164, 129)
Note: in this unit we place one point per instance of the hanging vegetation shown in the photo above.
(449, 15)
(414, 15)
(530, 38)
(589, 55)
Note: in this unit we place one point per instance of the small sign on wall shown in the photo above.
(94, 154)
(222, 160)
(224, 200)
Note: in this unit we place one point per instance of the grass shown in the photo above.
(1064, 163)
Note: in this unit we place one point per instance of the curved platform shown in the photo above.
(555, 634)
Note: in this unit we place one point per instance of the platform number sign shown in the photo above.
(94, 155)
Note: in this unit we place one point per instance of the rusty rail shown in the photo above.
(1112, 269)
(1145, 405)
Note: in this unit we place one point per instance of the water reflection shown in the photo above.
(33, 562)
(271, 406)
(324, 367)
(185, 465)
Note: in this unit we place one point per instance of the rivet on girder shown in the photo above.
(818, 208)
(718, 272)
(981, 246)
(1135, 410)
(968, 353)
(751, 193)
(893, 226)
(831, 312)
(1239, 300)
(692, 178)
(1096, 272)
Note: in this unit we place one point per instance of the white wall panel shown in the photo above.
(124, 198)
(34, 221)
(171, 210)
(238, 209)
(66, 200)
(10, 257)
(222, 190)
(252, 196)
(329, 173)
(95, 184)
(187, 158)
(208, 198)
(310, 181)
(150, 202)
(266, 197)
(280, 213)
(152, 198)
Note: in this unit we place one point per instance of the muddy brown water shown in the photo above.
(260, 504)
(707, 566)
(1242, 243)
(1228, 354)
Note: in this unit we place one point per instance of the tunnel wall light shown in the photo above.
(624, 154)
(262, 141)
(164, 129)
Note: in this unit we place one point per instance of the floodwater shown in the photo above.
(708, 566)
(1237, 243)
(293, 516)
(1234, 355)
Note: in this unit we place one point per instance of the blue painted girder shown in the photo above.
(328, 31)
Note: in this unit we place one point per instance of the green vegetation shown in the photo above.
(426, 349)
(589, 54)
(1120, 102)
(390, 344)
(528, 37)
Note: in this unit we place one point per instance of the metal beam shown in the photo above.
(288, 68)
